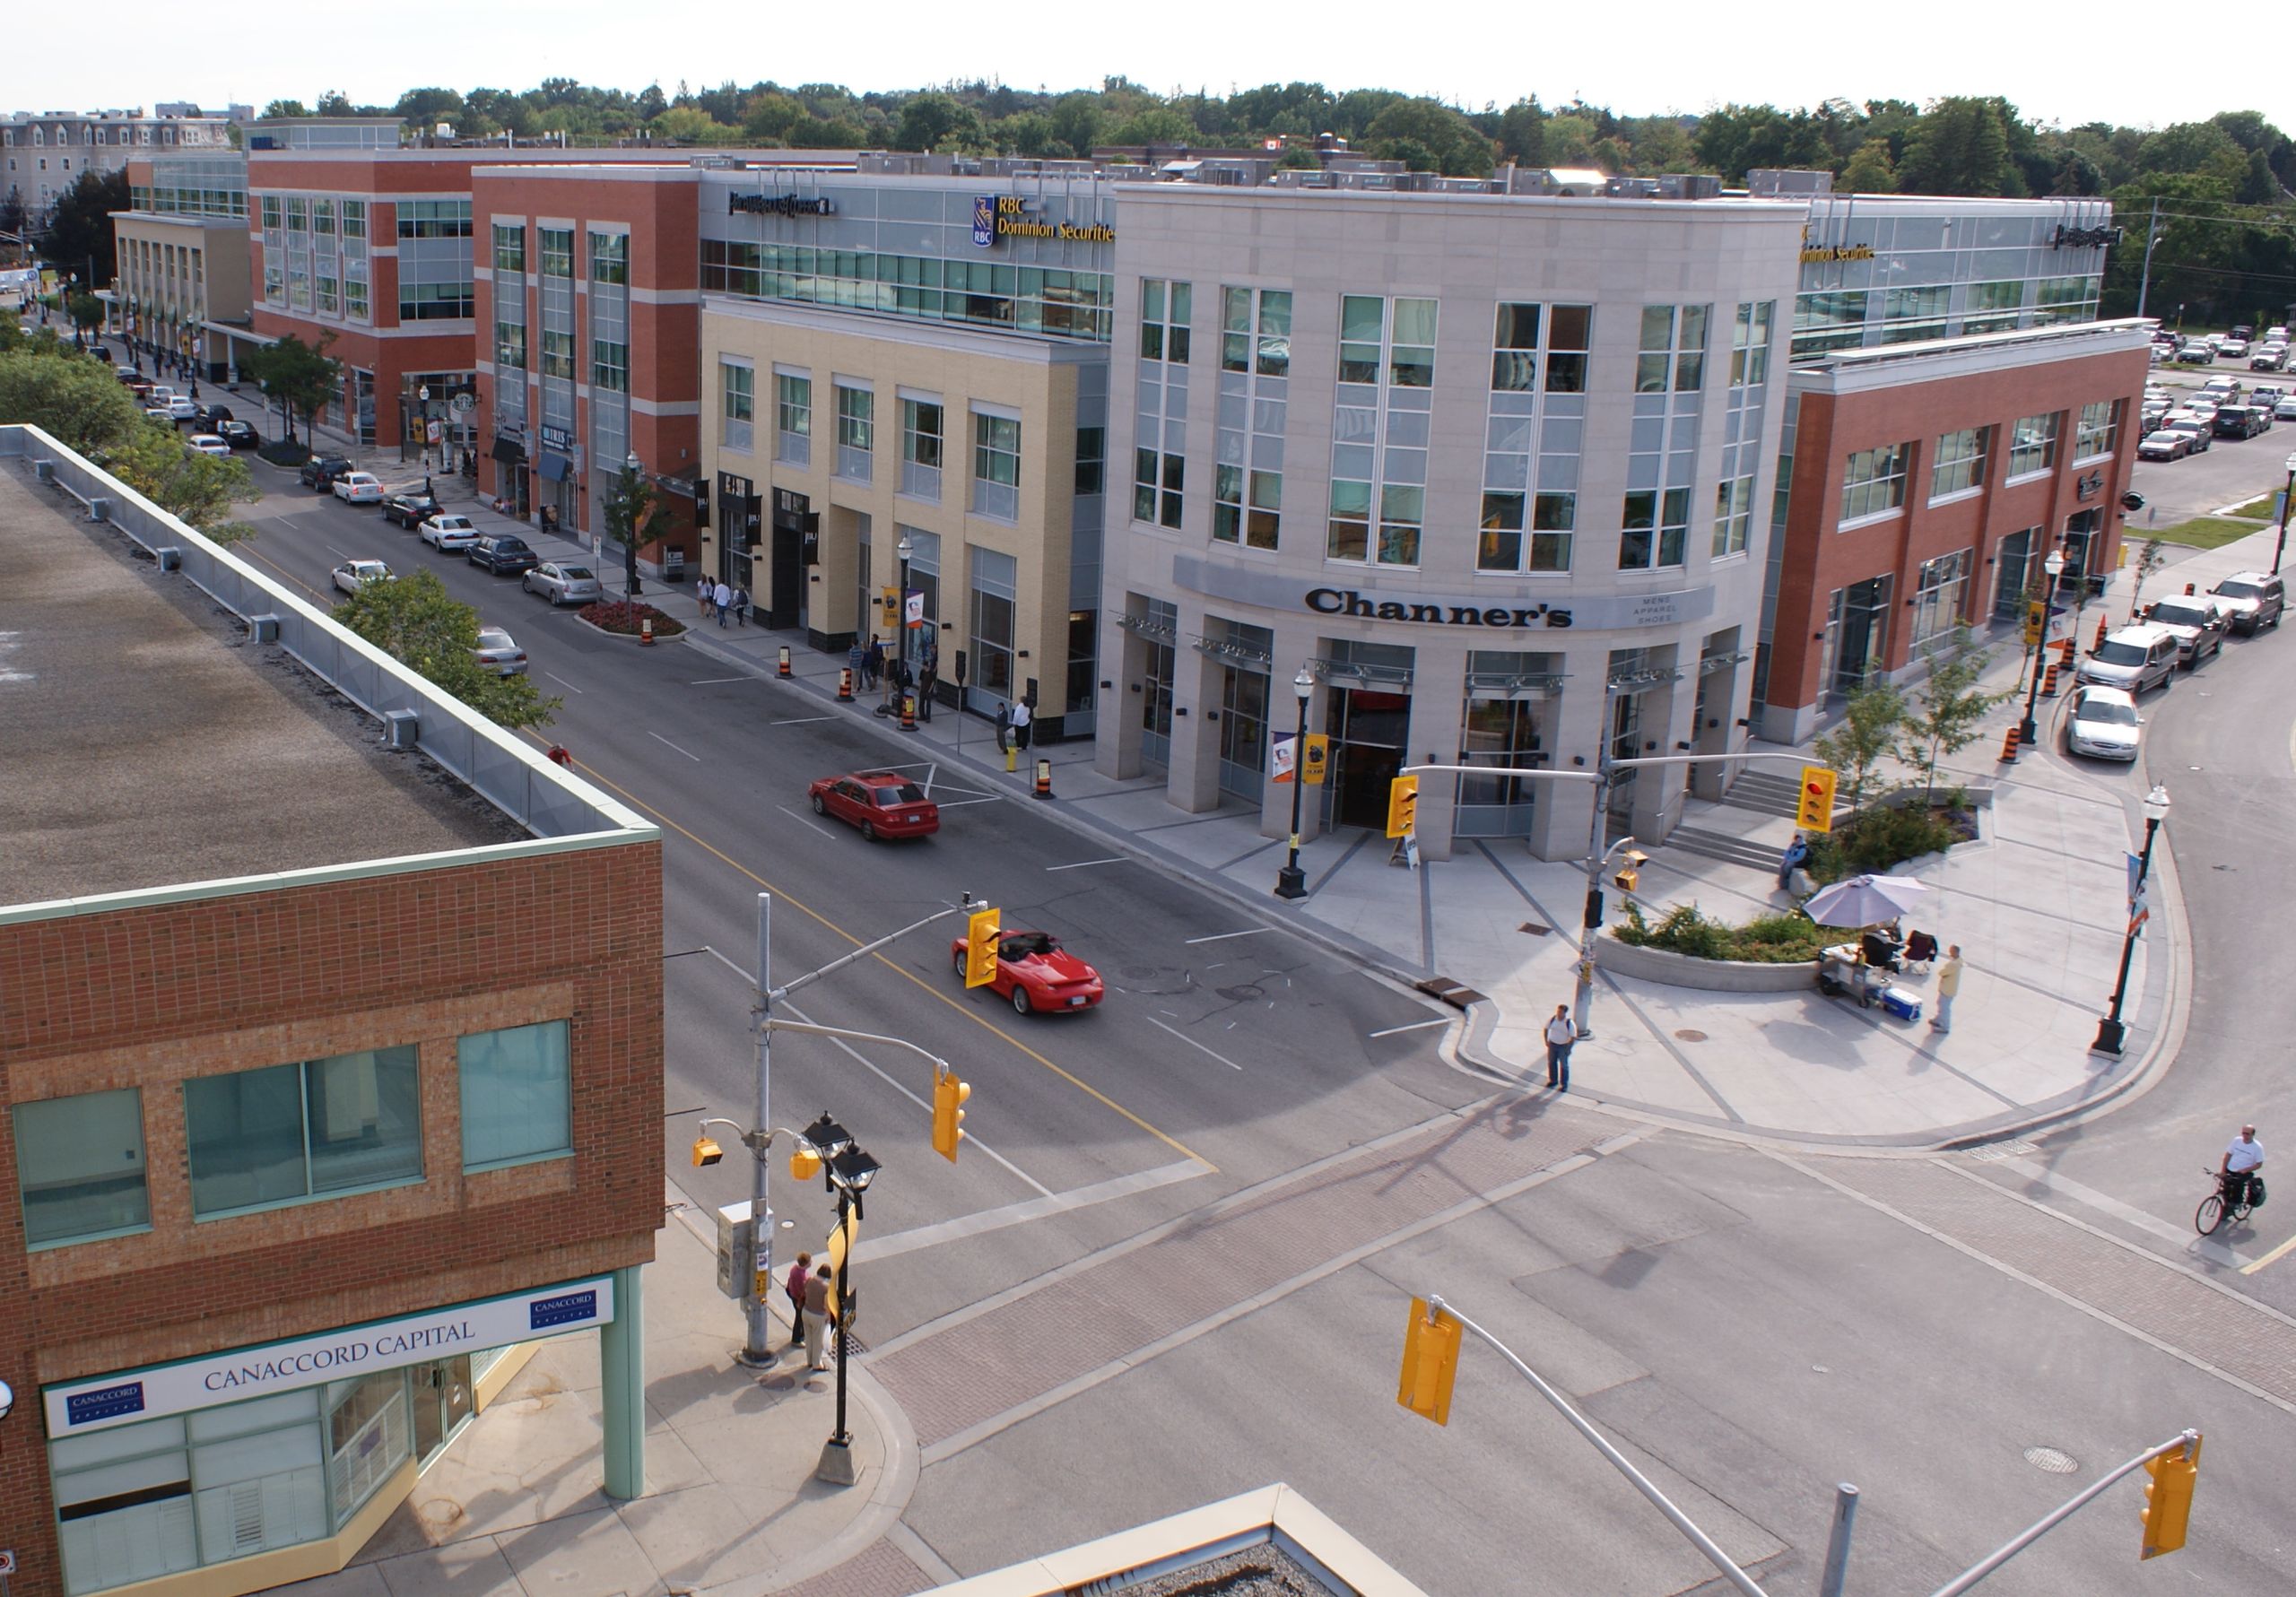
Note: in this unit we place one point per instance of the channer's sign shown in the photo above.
(777, 205)
(80, 1406)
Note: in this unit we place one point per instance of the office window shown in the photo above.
(792, 418)
(1092, 460)
(920, 447)
(518, 1096)
(995, 466)
(1164, 313)
(2032, 446)
(610, 258)
(2099, 429)
(509, 247)
(555, 245)
(1654, 529)
(737, 408)
(1961, 462)
(80, 1166)
(289, 1132)
(857, 432)
(609, 365)
(1873, 483)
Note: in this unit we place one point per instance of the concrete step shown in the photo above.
(1722, 846)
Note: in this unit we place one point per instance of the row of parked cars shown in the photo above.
(2222, 409)
(2178, 631)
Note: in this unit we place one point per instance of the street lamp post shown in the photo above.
(848, 1174)
(2287, 504)
(2112, 1036)
(903, 550)
(1291, 882)
(2029, 734)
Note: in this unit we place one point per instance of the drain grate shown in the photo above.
(1688, 1035)
(2052, 1461)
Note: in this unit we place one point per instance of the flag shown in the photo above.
(1285, 748)
(916, 607)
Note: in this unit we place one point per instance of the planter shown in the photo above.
(1712, 976)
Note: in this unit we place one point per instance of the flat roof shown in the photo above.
(146, 744)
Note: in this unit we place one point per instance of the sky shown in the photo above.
(1682, 56)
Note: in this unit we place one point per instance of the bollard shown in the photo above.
(2049, 683)
(2009, 747)
(781, 663)
(845, 684)
(645, 628)
(909, 712)
(1043, 778)
(1012, 759)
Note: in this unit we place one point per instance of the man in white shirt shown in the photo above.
(1559, 1035)
(2242, 1159)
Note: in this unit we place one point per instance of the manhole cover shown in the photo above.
(2052, 1461)
(1688, 1035)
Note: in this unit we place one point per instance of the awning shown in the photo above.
(508, 450)
(557, 468)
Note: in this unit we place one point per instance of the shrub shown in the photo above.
(621, 617)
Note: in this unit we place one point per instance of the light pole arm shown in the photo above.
(779, 994)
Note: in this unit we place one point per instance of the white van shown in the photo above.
(2136, 658)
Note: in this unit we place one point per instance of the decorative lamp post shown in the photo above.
(2029, 732)
(1291, 882)
(2111, 1035)
(849, 1173)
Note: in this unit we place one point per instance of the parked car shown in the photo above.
(563, 583)
(239, 435)
(2164, 445)
(207, 443)
(2135, 657)
(2103, 724)
(881, 804)
(449, 533)
(353, 575)
(1034, 973)
(320, 470)
(358, 488)
(2196, 621)
(499, 652)
(2253, 599)
(504, 554)
(409, 507)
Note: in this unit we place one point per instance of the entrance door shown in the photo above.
(442, 1402)
(1367, 728)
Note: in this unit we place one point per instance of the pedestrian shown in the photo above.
(721, 599)
(1949, 985)
(817, 1317)
(1559, 1035)
(873, 665)
(701, 594)
(1796, 855)
(1024, 718)
(927, 679)
(794, 1287)
(741, 606)
(1003, 728)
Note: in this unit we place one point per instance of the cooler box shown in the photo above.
(1904, 1006)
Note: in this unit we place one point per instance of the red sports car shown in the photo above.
(1036, 973)
(880, 803)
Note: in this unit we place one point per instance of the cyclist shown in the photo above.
(2241, 1161)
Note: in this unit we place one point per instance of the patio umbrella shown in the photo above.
(1866, 901)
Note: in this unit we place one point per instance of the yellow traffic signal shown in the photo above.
(1630, 868)
(706, 1151)
(949, 1095)
(2168, 1498)
(1816, 813)
(1430, 1363)
(805, 1164)
(1402, 806)
(981, 931)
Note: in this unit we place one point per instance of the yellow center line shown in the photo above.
(2279, 1252)
(966, 1009)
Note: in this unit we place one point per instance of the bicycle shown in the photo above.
(2212, 1211)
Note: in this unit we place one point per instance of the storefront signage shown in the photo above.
(203, 1383)
(1007, 216)
(556, 438)
(1816, 254)
(777, 205)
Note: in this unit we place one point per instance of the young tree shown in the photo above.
(1951, 707)
(635, 517)
(1856, 748)
(416, 621)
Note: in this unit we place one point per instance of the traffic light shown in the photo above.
(1430, 1363)
(805, 1164)
(1402, 806)
(981, 931)
(1816, 813)
(706, 1151)
(949, 1095)
(2168, 1498)
(1630, 870)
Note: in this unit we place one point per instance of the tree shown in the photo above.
(1951, 707)
(79, 233)
(417, 622)
(1870, 171)
(635, 517)
(1868, 731)
(301, 377)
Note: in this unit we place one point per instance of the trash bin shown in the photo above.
(673, 565)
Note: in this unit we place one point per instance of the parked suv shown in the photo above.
(2253, 599)
(320, 470)
(2134, 658)
(504, 554)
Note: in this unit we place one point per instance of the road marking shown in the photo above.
(1116, 859)
(1191, 1042)
(561, 680)
(793, 815)
(711, 681)
(966, 1009)
(666, 743)
(2272, 1257)
(803, 720)
(1414, 1025)
(1014, 1214)
(1223, 936)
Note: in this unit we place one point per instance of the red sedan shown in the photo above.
(881, 804)
(1036, 973)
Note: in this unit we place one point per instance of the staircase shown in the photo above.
(1720, 846)
(1766, 793)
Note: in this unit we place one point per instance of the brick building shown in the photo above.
(332, 1085)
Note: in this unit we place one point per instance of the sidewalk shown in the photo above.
(514, 1507)
(2037, 904)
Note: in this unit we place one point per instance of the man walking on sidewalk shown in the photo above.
(1949, 986)
(1559, 1035)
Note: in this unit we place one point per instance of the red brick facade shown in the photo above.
(148, 997)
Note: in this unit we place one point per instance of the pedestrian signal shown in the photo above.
(1402, 806)
(1431, 1362)
(981, 931)
(1816, 813)
(949, 1095)
(2168, 1496)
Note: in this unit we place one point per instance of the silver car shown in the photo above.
(563, 583)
